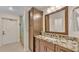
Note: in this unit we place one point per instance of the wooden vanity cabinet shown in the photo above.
(44, 46)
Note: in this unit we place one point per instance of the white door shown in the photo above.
(10, 31)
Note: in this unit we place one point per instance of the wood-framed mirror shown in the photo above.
(57, 22)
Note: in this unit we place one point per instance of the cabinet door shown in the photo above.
(37, 45)
(62, 49)
(38, 21)
(49, 47)
(42, 46)
(46, 46)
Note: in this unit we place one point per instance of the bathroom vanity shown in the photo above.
(47, 44)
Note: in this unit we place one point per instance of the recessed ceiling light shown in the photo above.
(11, 8)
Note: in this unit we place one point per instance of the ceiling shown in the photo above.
(19, 10)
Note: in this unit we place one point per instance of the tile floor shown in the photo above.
(13, 47)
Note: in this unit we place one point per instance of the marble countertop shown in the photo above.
(73, 45)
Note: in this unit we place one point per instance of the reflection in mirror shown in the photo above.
(57, 22)
(75, 19)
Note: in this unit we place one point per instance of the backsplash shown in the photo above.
(60, 36)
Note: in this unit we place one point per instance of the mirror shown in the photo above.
(57, 22)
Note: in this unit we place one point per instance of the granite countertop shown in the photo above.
(70, 44)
